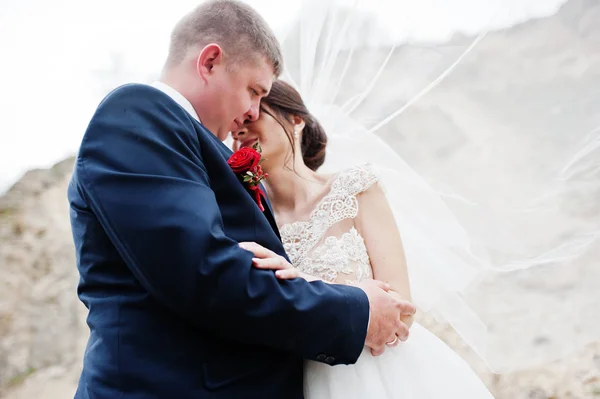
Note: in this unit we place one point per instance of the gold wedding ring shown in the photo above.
(393, 342)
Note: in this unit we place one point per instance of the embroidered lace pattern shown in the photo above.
(315, 249)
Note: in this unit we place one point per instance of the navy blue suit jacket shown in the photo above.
(176, 309)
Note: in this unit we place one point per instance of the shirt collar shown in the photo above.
(177, 97)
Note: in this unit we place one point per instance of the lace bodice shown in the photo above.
(328, 245)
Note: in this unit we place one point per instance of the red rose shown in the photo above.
(244, 159)
(244, 162)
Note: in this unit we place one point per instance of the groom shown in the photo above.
(176, 309)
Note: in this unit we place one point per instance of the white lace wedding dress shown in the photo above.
(329, 246)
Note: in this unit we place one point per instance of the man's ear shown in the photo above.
(210, 56)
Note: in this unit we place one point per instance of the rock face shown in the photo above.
(42, 323)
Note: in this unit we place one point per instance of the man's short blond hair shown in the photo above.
(240, 31)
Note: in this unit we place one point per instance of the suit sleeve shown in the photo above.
(142, 173)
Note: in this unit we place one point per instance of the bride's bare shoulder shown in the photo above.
(352, 180)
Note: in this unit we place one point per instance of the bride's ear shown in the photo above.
(298, 124)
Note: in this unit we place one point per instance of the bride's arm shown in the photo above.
(376, 223)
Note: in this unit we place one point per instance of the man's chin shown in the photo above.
(234, 127)
(221, 133)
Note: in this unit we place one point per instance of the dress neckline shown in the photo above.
(312, 213)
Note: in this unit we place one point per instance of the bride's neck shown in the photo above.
(290, 190)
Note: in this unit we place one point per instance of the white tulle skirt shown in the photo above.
(423, 367)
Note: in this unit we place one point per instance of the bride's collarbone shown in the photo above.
(302, 212)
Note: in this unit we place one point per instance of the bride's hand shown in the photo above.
(268, 260)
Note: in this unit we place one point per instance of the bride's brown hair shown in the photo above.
(285, 103)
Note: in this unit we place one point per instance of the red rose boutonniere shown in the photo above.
(245, 163)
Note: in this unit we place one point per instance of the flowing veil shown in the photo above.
(488, 146)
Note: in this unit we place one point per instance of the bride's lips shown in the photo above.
(248, 143)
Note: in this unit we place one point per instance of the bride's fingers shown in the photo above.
(278, 263)
(287, 274)
(258, 250)
(253, 247)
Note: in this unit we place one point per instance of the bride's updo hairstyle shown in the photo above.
(286, 102)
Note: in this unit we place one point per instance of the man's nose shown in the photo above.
(253, 113)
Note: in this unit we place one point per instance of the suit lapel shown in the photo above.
(268, 213)
(225, 151)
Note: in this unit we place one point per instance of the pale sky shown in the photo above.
(54, 53)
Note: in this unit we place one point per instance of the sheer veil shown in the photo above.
(488, 146)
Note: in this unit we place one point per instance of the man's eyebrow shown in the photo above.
(263, 90)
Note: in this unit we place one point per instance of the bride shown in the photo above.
(339, 228)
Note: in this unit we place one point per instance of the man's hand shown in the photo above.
(386, 315)
(405, 318)
(390, 315)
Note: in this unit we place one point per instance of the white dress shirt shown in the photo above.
(177, 97)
